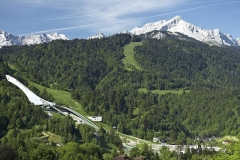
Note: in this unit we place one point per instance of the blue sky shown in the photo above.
(83, 18)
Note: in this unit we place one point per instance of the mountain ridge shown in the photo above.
(177, 24)
(7, 39)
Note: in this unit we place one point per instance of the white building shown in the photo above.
(95, 118)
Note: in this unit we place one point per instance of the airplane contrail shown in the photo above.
(93, 24)
(61, 29)
(61, 18)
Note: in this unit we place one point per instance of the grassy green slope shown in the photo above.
(62, 97)
(129, 60)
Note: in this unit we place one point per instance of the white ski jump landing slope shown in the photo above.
(32, 97)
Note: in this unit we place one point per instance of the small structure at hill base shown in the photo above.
(95, 118)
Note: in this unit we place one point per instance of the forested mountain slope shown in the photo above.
(83, 63)
(193, 61)
(24, 128)
(94, 73)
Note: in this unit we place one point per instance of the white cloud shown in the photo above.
(119, 14)
(111, 16)
(114, 15)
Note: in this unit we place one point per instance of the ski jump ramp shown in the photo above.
(32, 97)
(36, 100)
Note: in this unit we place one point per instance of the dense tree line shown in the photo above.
(191, 61)
(93, 71)
(83, 63)
(22, 125)
(165, 154)
(228, 152)
(198, 113)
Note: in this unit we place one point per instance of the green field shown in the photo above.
(129, 60)
(135, 111)
(53, 137)
(180, 91)
(62, 97)
(135, 139)
(12, 67)
(225, 138)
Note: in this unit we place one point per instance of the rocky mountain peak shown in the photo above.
(178, 25)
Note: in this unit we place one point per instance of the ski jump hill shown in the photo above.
(32, 97)
(38, 101)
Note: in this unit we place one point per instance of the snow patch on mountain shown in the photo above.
(238, 41)
(157, 35)
(178, 25)
(7, 39)
(99, 36)
(149, 27)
